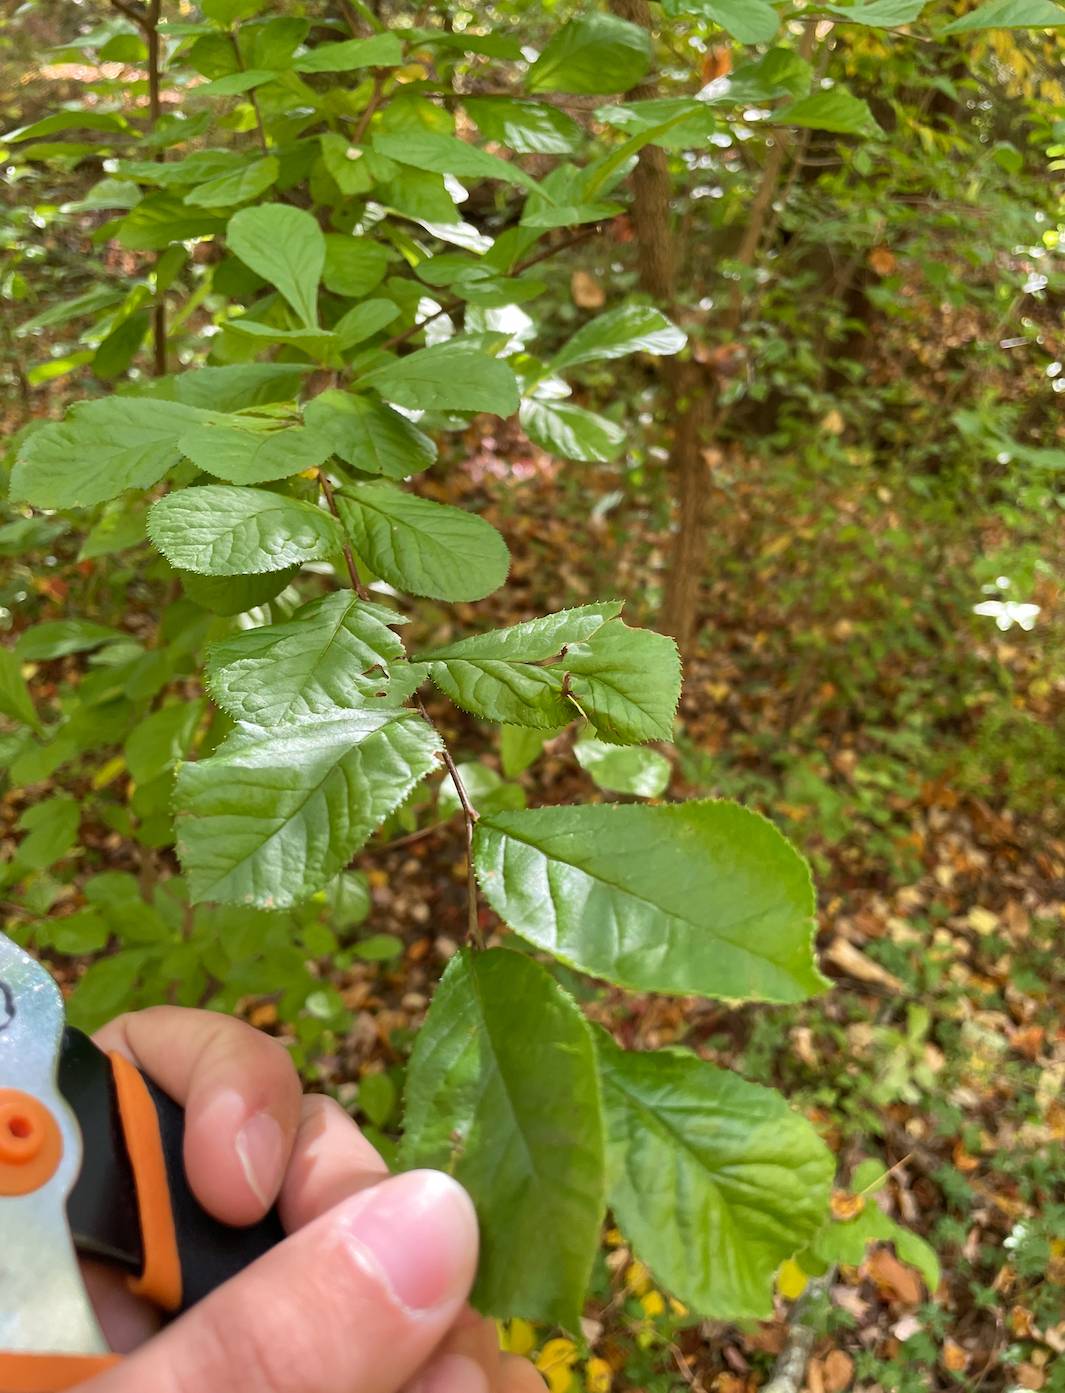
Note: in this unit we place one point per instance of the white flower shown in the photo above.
(1006, 613)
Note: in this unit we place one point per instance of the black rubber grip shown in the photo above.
(102, 1208)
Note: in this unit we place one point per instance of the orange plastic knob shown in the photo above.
(31, 1144)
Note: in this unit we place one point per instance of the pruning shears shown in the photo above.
(90, 1164)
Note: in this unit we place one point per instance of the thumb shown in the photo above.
(359, 1298)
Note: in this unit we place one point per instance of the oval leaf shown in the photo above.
(447, 377)
(502, 1094)
(218, 530)
(704, 898)
(286, 247)
(755, 1177)
(422, 547)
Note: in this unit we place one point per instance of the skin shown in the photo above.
(318, 1314)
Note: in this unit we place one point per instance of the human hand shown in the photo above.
(369, 1291)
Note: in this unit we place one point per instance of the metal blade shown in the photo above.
(44, 1307)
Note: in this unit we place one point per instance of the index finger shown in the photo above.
(241, 1097)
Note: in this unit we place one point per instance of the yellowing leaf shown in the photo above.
(791, 1280)
(598, 1376)
(555, 1362)
(108, 772)
(653, 1304)
(516, 1336)
(637, 1278)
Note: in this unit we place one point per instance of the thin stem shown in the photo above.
(136, 16)
(371, 107)
(469, 813)
(251, 96)
(353, 8)
(349, 557)
(593, 231)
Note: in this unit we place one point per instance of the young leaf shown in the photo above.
(702, 897)
(245, 453)
(99, 450)
(161, 739)
(624, 769)
(61, 637)
(380, 51)
(286, 247)
(563, 429)
(629, 329)
(528, 128)
(497, 675)
(502, 1094)
(627, 682)
(832, 110)
(333, 654)
(52, 825)
(422, 547)
(1010, 14)
(749, 21)
(754, 1175)
(846, 1240)
(446, 154)
(369, 435)
(447, 377)
(883, 14)
(222, 531)
(353, 265)
(597, 53)
(231, 595)
(15, 699)
(273, 815)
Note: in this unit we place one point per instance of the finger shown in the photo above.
(475, 1339)
(125, 1320)
(241, 1097)
(359, 1298)
(518, 1376)
(331, 1160)
(452, 1373)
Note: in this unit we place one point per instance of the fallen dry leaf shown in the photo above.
(855, 964)
(954, 1357)
(838, 1371)
(586, 290)
(893, 1278)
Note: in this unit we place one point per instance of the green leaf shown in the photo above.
(332, 655)
(226, 11)
(846, 1241)
(235, 594)
(714, 1180)
(624, 769)
(528, 128)
(369, 435)
(447, 377)
(162, 218)
(218, 530)
(121, 345)
(378, 948)
(627, 682)
(597, 53)
(1010, 14)
(702, 898)
(447, 154)
(353, 265)
(502, 1093)
(286, 247)
(695, 128)
(15, 699)
(61, 637)
(422, 547)
(82, 932)
(251, 452)
(99, 450)
(831, 110)
(629, 329)
(883, 14)
(243, 184)
(487, 791)
(519, 749)
(274, 814)
(161, 739)
(563, 429)
(233, 388)
(52, 825)
(363, 321)
(349, 900)
(749, 21)
(380, 51)
(496, 675)
(234, 84)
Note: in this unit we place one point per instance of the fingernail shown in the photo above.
(452, 1373)
(418, 1232)
(260, 1149)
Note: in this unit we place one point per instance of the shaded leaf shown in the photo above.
(624, 769)
(754, 1176)
(447, 377)
(1010, 14)
(369, 435)
(597, 53)
(831, 110)
(502, 1094)
(447, 154)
